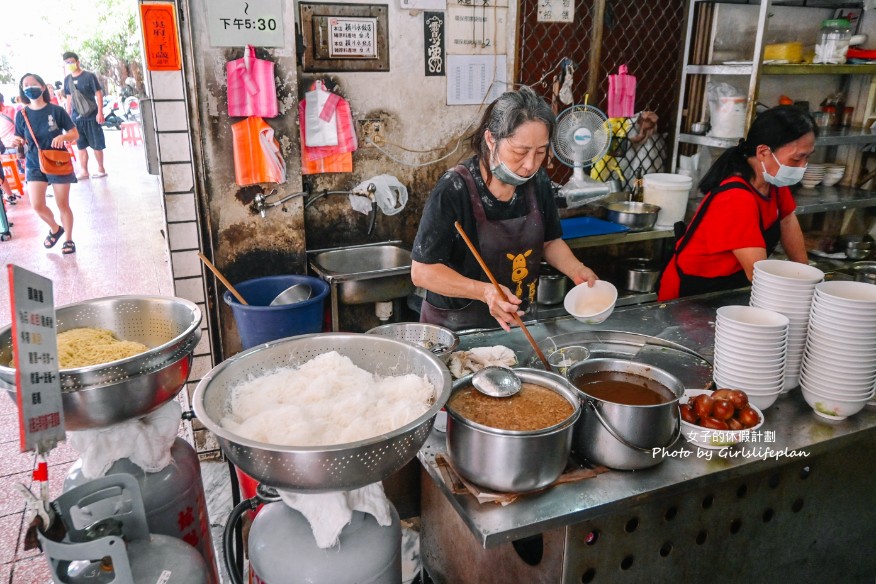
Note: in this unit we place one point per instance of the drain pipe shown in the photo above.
(383, 310)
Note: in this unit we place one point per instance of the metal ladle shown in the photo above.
(292, 294)
(496, 381)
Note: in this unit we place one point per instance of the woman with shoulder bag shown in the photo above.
(748, 208)
(45, 128)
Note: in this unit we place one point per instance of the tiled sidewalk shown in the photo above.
(118, 229)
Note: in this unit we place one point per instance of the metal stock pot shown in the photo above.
(509, 460)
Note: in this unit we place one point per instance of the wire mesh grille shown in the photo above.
(646, 36)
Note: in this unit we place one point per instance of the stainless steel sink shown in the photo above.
(364, 273)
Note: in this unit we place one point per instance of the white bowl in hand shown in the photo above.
(591, 305)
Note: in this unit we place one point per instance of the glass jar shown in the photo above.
(833, 42)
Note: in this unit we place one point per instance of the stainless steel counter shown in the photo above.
(790, 430)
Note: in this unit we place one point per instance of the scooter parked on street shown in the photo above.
(111, 119)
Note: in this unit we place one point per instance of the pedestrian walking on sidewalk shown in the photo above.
(43, 125)
(85, 105)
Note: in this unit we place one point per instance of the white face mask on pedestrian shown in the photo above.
(785, 176)
(501, 171)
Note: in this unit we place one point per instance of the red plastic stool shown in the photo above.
(131, 133)
(11, 173)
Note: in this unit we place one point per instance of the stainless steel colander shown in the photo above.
(105, 394)
(439, 340)
(322, 468)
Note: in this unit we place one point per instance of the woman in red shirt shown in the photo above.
(748, 208)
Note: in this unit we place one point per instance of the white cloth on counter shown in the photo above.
(146, 441)
(464, 362)
(328, 513)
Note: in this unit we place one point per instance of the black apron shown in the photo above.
(512, 250)
(690, 285)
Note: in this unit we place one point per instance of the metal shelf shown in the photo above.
(812, 69)
(826, 137)
(718, 69)
(835, 198)
(619, 238)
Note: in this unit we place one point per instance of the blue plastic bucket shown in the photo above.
(259, 323)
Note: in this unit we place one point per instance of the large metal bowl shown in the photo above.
(632, 214)
(322, 468)
(165, 324)
(105, 394)
(439, 340)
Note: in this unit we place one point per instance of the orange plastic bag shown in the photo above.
(257, 157)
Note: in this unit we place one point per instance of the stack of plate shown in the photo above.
(814, 174)
(839, 363)
(833, 174)
(787, 288)
(750, 346)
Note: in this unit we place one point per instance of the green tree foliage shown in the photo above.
(6, 74)
(110, 46)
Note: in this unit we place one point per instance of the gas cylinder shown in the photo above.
(173, 497)
(104, 518)
(282, 550)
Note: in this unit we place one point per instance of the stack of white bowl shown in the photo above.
(750, 346)
(839, 364)
(787, 288)
(833, 174)
(813, 175)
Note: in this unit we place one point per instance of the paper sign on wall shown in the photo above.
(476, 30)
(433, 42)
(423, 4)
(160, 40)
(237, 23)
(475, 79)
(556, 11)
(352, 36)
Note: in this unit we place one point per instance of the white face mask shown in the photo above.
(785, 176)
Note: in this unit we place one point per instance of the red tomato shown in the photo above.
(688, 414)
(723, 409)
(713, 424)
(748, 417)
(739, 398)
(703, 405)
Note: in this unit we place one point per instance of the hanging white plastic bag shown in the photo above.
(390, 194)
(320, 121)
(726, 110)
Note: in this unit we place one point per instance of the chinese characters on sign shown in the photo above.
(353, 37)
(556, 10)
(237, 23)
(476, 30)
(475, 79)
(159, 37)
(35, 349)
(433, 32)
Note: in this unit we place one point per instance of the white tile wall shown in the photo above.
(180, 207)
(185, 264)
(183, 235)
(190, 289)
(203, 347)
(170, 116)
(177, 178)
(174, 148)
(167, 85)
(200, 367)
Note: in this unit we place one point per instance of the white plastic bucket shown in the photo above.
(670, 192)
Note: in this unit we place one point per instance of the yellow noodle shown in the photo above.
(92, 346)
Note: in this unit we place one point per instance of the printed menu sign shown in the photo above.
(35, 351)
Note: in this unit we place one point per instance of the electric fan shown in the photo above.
(581, 138)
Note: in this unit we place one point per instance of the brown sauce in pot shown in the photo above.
(534, 407)
(623, 388)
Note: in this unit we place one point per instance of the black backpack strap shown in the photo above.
(687, 233)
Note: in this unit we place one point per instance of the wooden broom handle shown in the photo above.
(489, 274)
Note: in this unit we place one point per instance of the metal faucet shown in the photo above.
(371, 190)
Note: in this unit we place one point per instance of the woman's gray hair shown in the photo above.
(510, 111)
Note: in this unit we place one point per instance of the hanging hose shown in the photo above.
(235, 569)
(235, 500)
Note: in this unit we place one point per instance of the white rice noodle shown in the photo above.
(325, 401)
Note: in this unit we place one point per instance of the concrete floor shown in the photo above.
(119, 235)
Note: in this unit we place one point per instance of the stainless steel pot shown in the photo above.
(552, 286)
(623, 436)
(864, 272)
(632, 214)
(507, 460)
(640, 274)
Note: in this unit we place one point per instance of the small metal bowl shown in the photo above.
(634, 215)
(699, 128)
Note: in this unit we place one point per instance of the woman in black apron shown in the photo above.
(748, 208)
(504, 202)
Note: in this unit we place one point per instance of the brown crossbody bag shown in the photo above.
(54, 162)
